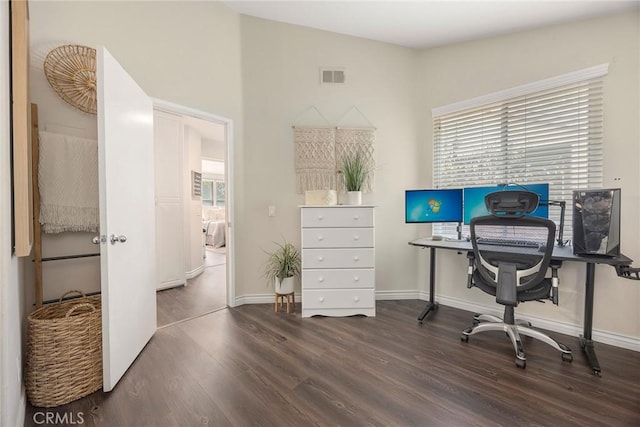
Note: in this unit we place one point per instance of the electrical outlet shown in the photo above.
(272, 210)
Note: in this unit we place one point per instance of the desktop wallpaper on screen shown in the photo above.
(422, 206)
(474, 199)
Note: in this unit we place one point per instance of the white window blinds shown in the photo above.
(546, 132)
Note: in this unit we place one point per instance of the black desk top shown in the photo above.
(560, 253)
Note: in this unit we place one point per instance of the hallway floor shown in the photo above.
(202, 294)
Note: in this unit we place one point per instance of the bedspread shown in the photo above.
(214, 233)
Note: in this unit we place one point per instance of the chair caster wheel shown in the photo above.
(464, 337)
(521, 363)
(567, 357)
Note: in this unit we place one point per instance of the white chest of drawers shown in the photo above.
(338, 261)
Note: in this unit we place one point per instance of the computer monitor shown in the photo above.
(428, 206)
(474, 199)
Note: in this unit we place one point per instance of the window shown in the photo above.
(549, 131)
(213, 193)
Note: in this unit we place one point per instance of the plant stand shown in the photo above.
(290, 299)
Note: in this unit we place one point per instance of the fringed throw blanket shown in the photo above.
(315, 158)
(68, 182)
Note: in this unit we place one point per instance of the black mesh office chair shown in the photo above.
(515, 275)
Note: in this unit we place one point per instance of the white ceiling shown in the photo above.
(427, 23)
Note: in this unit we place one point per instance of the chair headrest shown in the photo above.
(511, 203)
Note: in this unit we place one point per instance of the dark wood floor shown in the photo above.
(250, 366)
(203, 294)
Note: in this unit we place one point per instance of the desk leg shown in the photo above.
(431, 304)
(585, 340)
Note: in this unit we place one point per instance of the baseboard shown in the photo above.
(194, 273)
(605, 337)
(617, 340)
(22, 409)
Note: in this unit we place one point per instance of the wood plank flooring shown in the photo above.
(203, 294)
(249, 366)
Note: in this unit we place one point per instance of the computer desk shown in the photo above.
(560, 254)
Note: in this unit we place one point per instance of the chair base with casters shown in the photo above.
(487, 322)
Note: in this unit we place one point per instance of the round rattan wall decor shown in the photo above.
(71, 72)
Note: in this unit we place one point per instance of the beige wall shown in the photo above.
(281, 86)
(463, 71)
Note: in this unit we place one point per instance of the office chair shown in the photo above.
(512, 274)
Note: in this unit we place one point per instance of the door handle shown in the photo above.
(115, 239)
(99, 239)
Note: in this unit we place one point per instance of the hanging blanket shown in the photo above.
(68, 182)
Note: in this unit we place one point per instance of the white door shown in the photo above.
(127, 217)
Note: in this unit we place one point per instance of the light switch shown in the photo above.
(272, 210)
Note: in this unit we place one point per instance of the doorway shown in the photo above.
(207, 284)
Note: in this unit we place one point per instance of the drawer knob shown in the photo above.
(320, 238)
(356, 258)
(320, 259)
(356, 299)
(320, 279)
(320, 217)
(356, 217)
(356, 237)
(356, 279)
(321, 299)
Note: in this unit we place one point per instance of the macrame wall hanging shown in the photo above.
(71, 72)
(352, 141)
(320, 150)
(315, 158)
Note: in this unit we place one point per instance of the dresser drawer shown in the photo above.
(343, 278)
(337, 217)
(337, 237)
(338, 258)
(338, 298)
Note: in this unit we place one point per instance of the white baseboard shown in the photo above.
(194, 273)
(605, 337)
(617, 340)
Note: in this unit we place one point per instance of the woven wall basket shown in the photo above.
(71, 72)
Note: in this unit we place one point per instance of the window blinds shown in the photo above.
(551, 135)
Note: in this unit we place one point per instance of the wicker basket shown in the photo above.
(64, 351)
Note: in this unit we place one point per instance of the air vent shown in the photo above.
(332, 76)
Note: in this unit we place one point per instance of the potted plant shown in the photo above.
(356, 172)
(282, 267)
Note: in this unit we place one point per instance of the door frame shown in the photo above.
(170, 107)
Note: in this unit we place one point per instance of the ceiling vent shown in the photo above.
(332, 76)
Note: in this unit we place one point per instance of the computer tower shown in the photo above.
(596, 222)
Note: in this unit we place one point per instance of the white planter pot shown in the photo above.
(354, 197)
(284, 287)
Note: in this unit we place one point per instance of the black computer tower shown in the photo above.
(596, 222)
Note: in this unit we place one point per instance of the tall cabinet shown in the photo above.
(338, 260)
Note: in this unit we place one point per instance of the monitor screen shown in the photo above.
(424, 206)
(474, 199)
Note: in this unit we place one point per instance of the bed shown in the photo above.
(214, 226)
